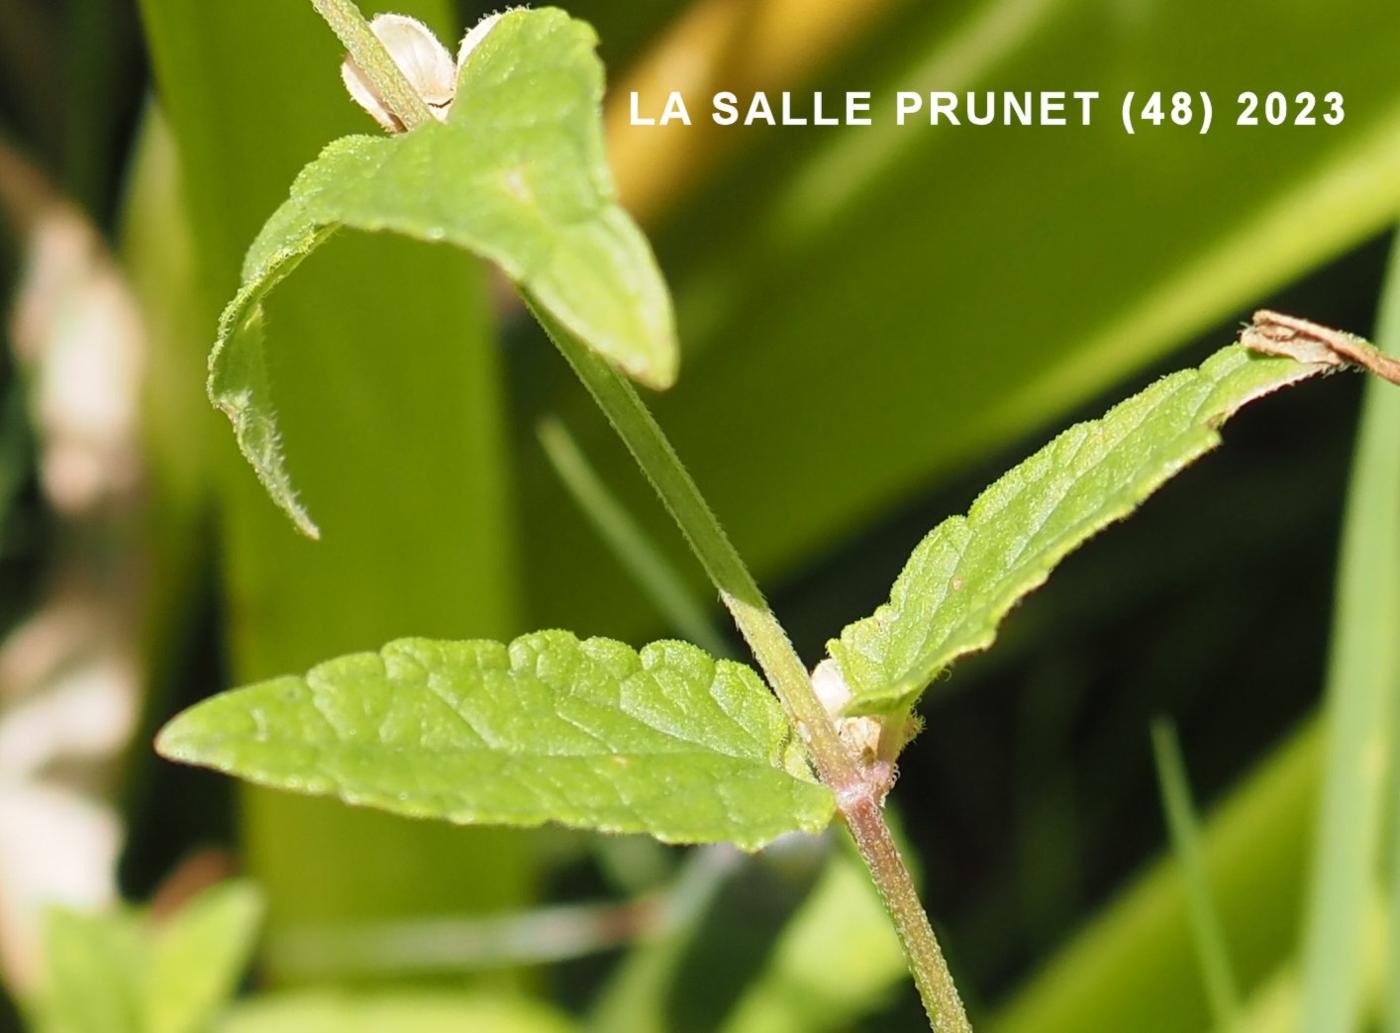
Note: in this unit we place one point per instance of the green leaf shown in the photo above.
(198, 957)
(424, 1012)
(121, 972)
(92, 966)
(969, 571)
(517, 174)
(589, 734)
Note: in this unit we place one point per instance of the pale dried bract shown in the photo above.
(1273, 333)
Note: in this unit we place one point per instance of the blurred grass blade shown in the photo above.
(629, 543)
(1273, 1006)
(1134, 965)
(252, 94)
(1362, 680)
(952, 301)
(1383, 425)
(1222, 987)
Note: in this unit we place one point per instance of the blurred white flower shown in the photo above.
(58, 848)
(78, 330)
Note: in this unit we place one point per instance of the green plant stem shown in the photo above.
(371, 57)
(856, 797)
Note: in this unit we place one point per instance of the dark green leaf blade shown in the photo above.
(517, 175)
(969, 571)
(589, 734)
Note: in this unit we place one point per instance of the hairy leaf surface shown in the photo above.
(518, 175)
(590, 734)
(969, 571)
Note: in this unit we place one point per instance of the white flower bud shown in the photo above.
(861, 735)
(473, 39)
(830, 687)
(424, 61)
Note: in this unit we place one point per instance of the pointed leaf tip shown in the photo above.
(968, 573)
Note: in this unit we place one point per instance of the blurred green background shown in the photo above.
(875, 322)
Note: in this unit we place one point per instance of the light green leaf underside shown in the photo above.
(402, 1012)
(589, 734)
(517, 175)
(969, 571)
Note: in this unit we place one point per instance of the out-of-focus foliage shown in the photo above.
(923, 295)
(1183, 824)
(1350, 855)
(768, 931)
(874, 322)
(435, 1012)
(131, 972)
